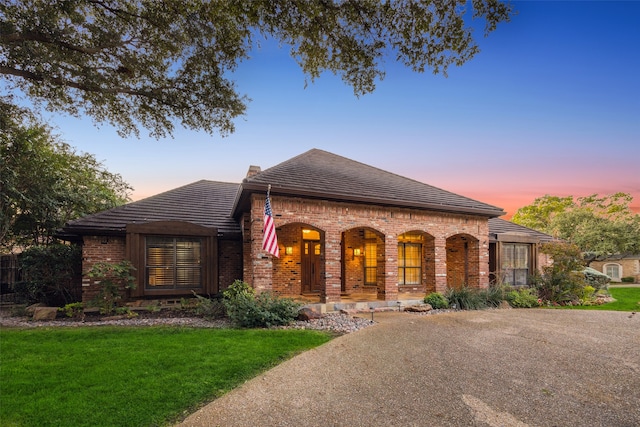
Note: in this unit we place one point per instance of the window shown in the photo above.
(613, 271)
(173, 263)
(409, 265)
(515, 262)
(370, 262)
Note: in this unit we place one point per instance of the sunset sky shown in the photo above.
(551, 105)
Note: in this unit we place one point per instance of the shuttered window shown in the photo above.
(173, 263)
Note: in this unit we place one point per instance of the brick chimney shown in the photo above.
(253, 170)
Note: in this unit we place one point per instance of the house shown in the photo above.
(618, 266)
(344, 229)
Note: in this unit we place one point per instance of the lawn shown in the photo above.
(126, 376)
(627, 299)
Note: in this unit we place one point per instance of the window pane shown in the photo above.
(159, 276)
(370, 254)
(521, 256)
(409, 263)
(520, 277)
(507, 256)
(371, 275)
(412, 255)
(173, 262)
(412, 276)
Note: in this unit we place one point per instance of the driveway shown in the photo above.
(531, 367)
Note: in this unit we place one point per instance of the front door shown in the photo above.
(311, 258)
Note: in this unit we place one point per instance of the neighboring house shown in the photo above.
(618, 266)
(344, 229)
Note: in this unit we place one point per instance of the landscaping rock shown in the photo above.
(45, 313)
(305, 314)
(504, 305)
(422, 308)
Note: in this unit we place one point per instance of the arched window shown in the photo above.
(613, 270)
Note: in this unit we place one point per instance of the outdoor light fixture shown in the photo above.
(288, 250)
(357, 252)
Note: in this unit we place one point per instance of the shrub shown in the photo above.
(522, 298)
(465, 298)
(595, 278)
(247, 310)
(562, 282)
(629, 279)
(74, 310)
(49, 274)
(114, 278)
(587, 297)
(436, 300)
(493, 296)
(209, 308)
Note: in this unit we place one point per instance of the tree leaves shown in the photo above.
(155, 64)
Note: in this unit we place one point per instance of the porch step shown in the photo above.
(361, 307)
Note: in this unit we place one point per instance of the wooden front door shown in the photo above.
(311, 258)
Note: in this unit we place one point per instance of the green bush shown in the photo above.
(114, 279)
(50, 274)
(74, 310)
(629, 279)
(465, 298)
(208, 308)
(248, 310)
(595, 278)
(493, 295)
(522, 298)
(562, 282)
(436, 300)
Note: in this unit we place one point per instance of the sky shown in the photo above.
(551, 105)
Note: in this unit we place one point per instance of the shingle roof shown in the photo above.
(206, 203)
(320, 174)
(499, 226)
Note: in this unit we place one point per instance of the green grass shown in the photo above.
(627, 299)
(120, 376)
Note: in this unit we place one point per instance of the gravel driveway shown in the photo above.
(484, 368)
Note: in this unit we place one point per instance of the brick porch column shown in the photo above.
(260, 261)
(390, 290)
(332, 267)
(441, 263)
(483, 249)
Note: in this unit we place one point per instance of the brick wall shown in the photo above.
(230, 263)
(99, 249)
(333, 218)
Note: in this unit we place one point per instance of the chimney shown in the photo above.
(253, 170)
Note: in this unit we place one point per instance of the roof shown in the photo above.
(502, 226)
(205, 203)
(323, 175)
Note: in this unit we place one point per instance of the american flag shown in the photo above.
(269, 238)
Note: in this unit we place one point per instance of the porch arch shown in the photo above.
(463, 261)
(422, 244)
(363, 261)
(301, 267)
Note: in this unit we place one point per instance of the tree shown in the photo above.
(45, 183)
(131, 63)
(597, 225)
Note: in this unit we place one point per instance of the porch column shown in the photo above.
(332, 267)
(441, 263)
(390, 290)
(260, 261)
(483, 252)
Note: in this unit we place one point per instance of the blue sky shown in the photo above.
(551, 105)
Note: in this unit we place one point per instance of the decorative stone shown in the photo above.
(422, 308)
(45, 313)
(305, 314)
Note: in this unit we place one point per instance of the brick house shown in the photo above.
(345, 229)
(618, 266)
